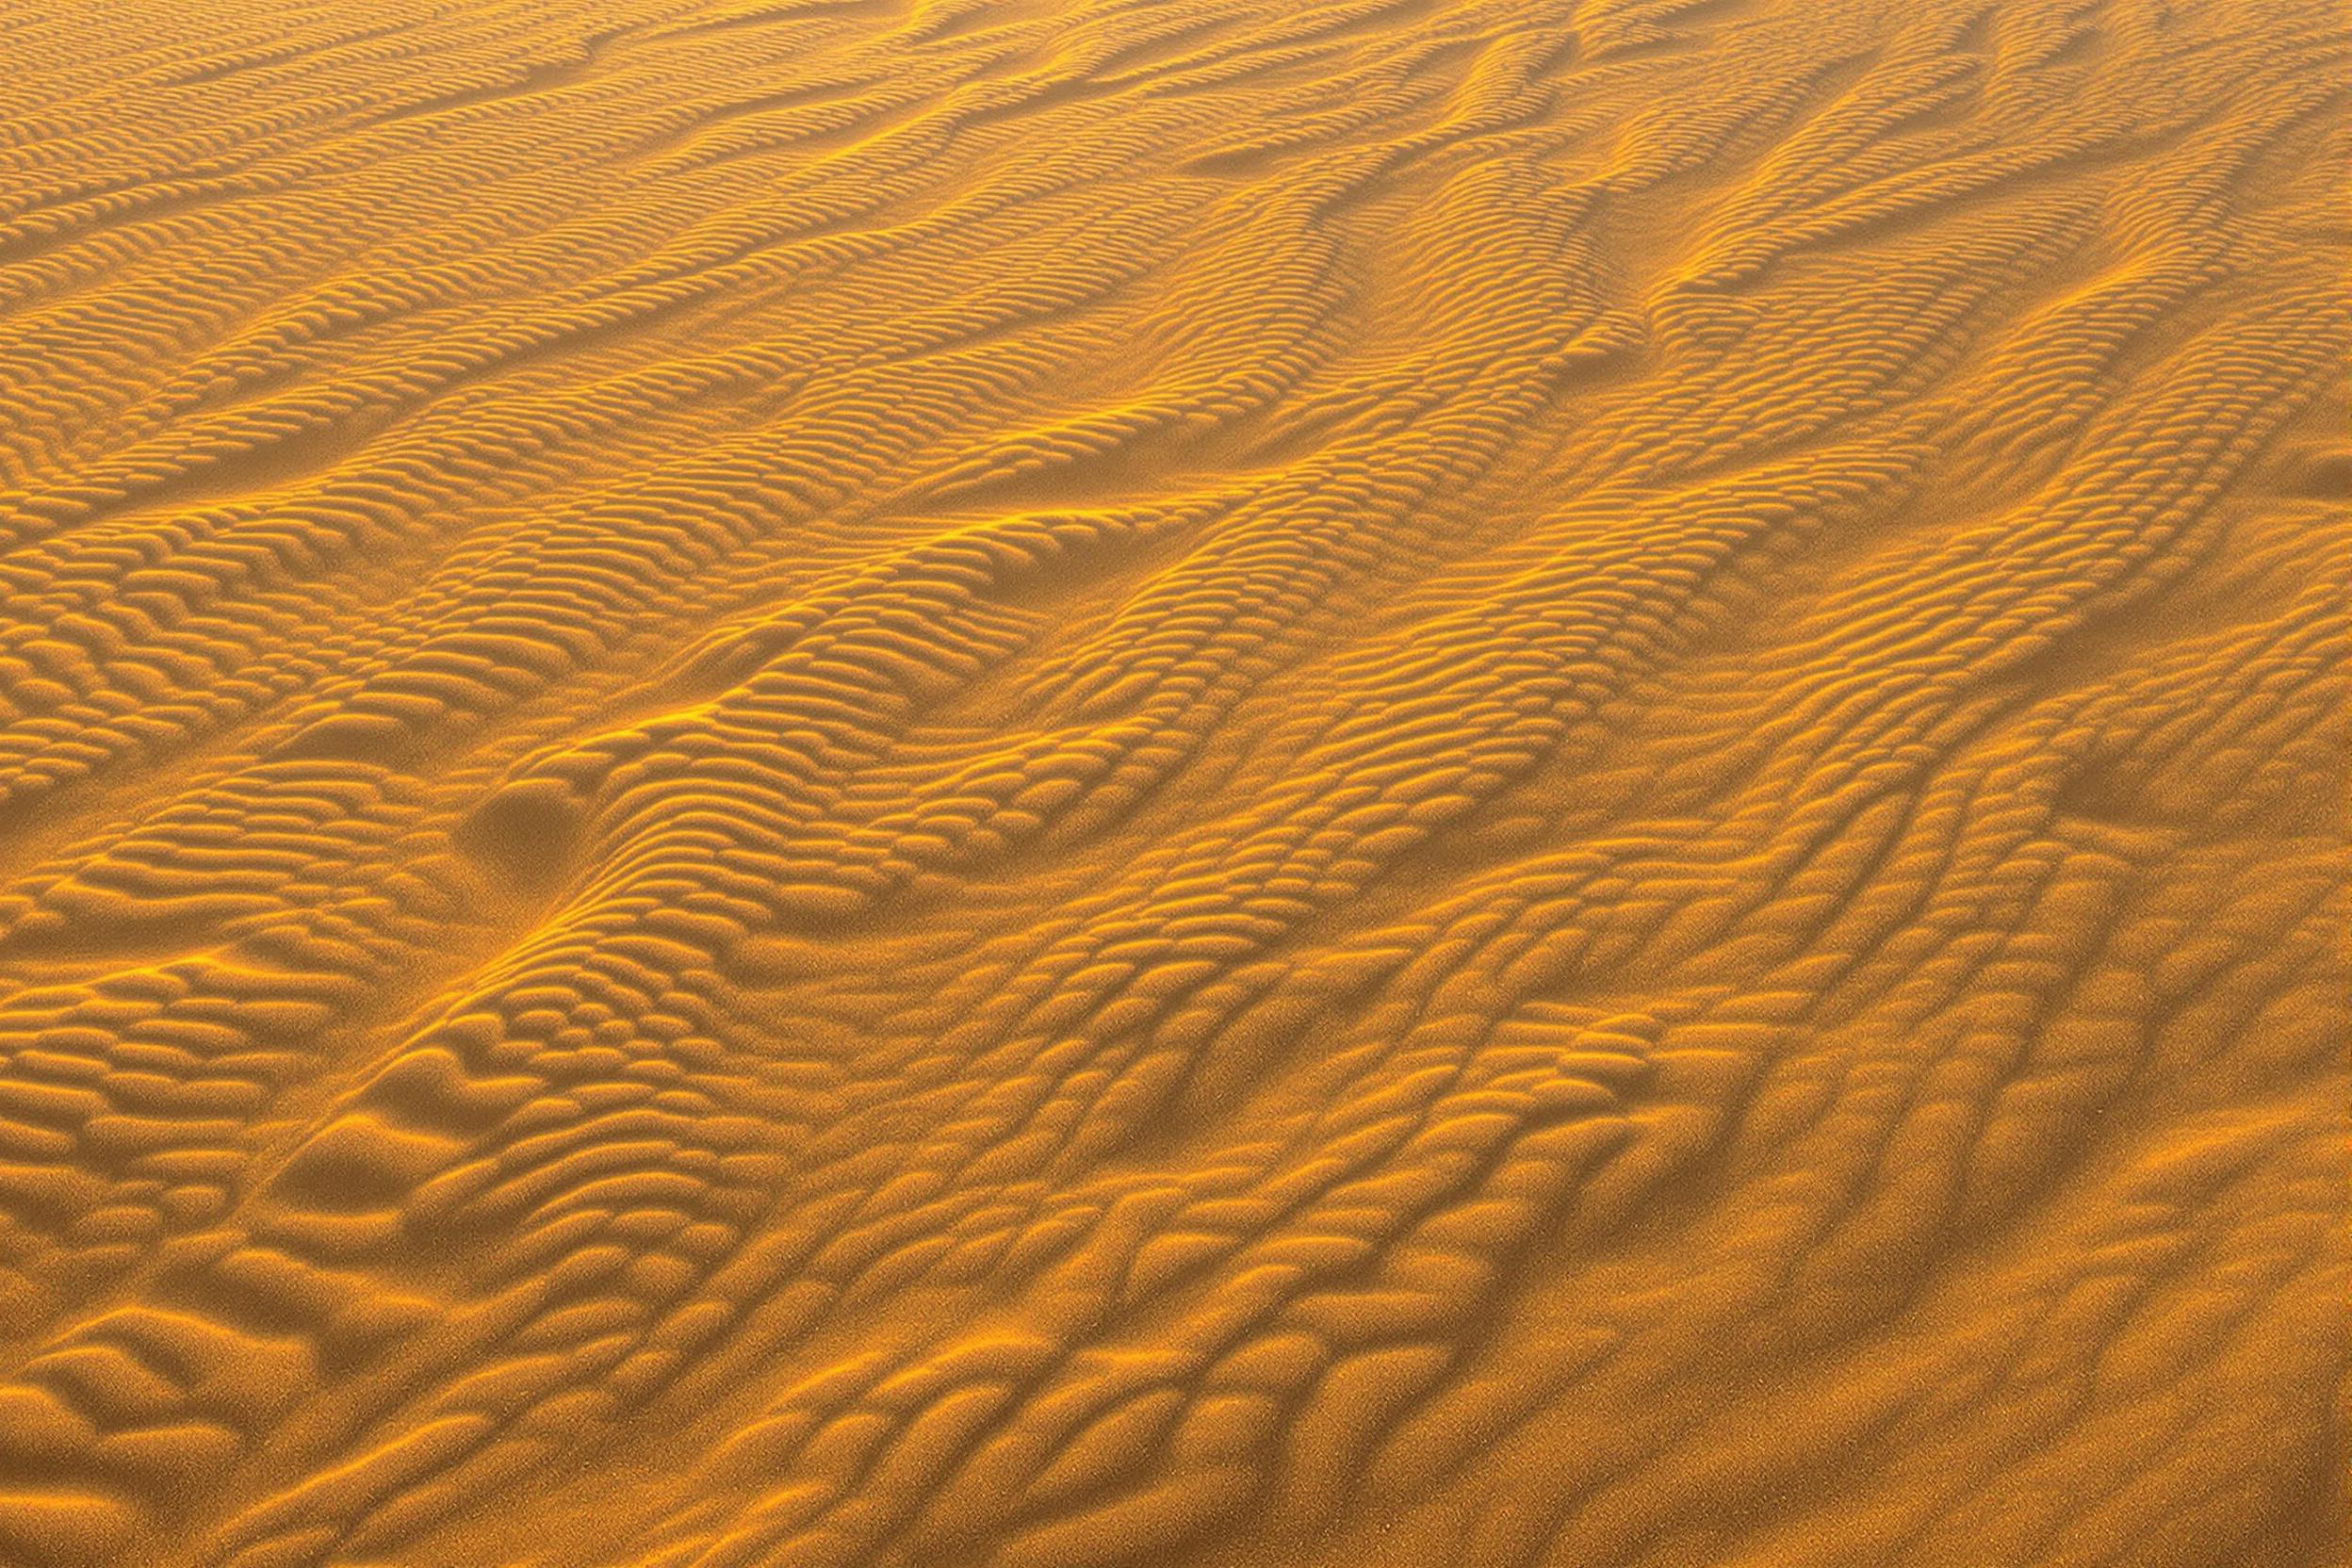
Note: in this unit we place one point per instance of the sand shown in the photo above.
(1245, 783)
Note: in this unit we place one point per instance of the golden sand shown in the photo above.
(1258, 783)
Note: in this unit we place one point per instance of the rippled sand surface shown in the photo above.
(1258, 783)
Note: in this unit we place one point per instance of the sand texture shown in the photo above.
(1174, 783)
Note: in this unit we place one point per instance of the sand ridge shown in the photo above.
(1534, 783)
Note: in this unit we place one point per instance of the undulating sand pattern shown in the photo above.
(1258, 783)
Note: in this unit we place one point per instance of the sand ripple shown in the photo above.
(1530, 783)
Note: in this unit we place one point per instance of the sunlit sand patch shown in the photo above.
(1056, 783)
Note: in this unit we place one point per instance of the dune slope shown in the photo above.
(1047, 783)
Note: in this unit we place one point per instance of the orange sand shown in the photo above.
(1258, 783)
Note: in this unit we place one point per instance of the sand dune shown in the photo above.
(1529, 783)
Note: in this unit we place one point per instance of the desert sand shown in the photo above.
(1245, 783)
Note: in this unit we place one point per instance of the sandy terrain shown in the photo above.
(1245, 783)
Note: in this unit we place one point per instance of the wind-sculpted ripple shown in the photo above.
(1074, 783)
